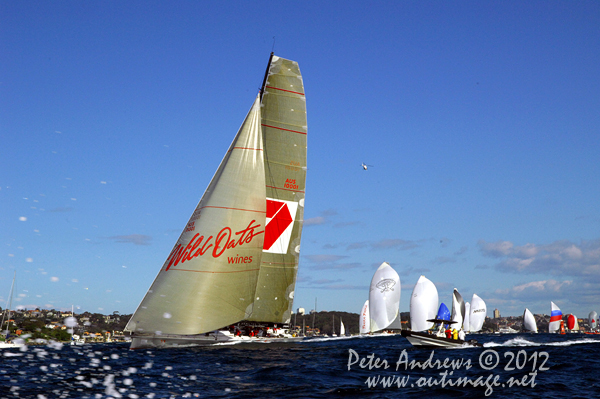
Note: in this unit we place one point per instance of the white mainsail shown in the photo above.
(423, 304)
(237, 257)
(384, 297)
(365, 320)
(342, 329)
(478, 312)
(529, 323)
(555, 318)
(458, 309)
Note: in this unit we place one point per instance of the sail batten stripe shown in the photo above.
(207, 271)
(274, 264)
(246, 148)
(233, 209)
(280, 128)
(289, 91)
(286, 189)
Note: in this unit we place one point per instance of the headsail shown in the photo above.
(384, 297)
(209, 279)
(555, 318)
(423, 304)
(283, 121)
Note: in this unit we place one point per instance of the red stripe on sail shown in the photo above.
(206, 271)
(233, 209)
(280, 128)
(288, 91)
(286, 189)
(555, 318)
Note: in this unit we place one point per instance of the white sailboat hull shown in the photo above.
(4, 345)
(426, 340)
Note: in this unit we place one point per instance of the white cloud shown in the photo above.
(558, 258)
(314, 221)
(495, 249)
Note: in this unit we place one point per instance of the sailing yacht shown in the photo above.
(7, 343)
(234, 267)
(529, 324)
(555, 318)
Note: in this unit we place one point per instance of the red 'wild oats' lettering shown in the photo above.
(222, 242)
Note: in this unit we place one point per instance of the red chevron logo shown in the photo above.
(281, 218)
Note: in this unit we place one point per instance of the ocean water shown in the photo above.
(515, 366)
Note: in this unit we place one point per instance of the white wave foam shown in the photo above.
(519, 341)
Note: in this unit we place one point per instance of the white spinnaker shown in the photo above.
(593, 320)
(364, 320)
(384, 297)
(477, 313)
(529, 323)
(423, 304)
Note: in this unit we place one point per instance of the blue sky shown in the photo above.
(481, 121)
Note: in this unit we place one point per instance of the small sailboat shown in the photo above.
(8, 343)
(529, 323)
(593, 321)
(237, 257)
(71, 323)
(572, 323)
(555, 319)
(333, 334)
